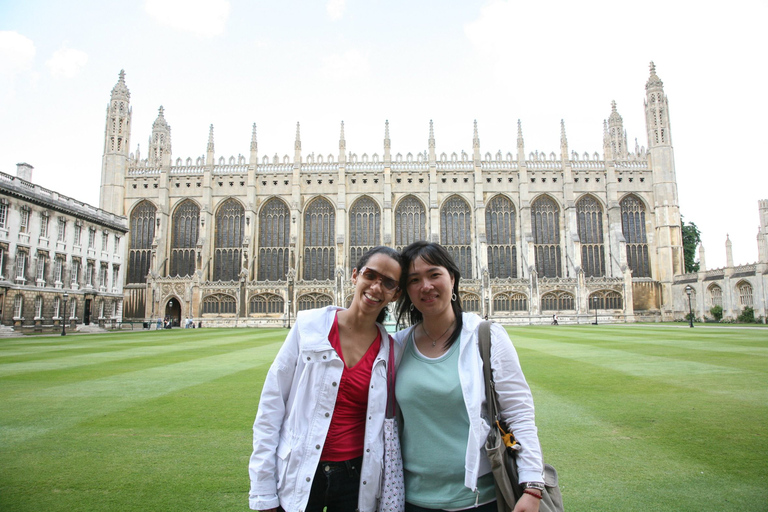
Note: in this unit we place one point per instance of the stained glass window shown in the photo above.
(589, 215)
(510, 302)
(274, 240)
(319, 240)
(228, 241)
(266, 303)
(364, 228)
(556, 301)
(314, 300)
(545, 223)
(455, 231)
(500, 234)
(142, 233)
(186, 220)
(633, 228)
(410, 222)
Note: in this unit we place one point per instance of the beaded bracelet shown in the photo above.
(531, 493)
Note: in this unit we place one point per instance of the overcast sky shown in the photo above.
(232, 63)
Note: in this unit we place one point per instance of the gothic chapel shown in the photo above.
(250, 241)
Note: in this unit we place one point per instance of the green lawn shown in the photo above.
(639, 417)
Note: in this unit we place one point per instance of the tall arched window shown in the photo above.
(227, 257)
(319, 243)
(274, 239)
(500, 232)
(589, 216)
(186, 220)
(745, 294)
(410, 222)
(455, 231)
(219, 304)
(715, 295)
(142, 234)
(545, 223)
(364, 228)
(633, 228)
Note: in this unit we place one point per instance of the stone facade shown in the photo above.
(252, 240)
(52, 245)
(732, 287)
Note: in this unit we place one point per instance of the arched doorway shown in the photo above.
(173, 311)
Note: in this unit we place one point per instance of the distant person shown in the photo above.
(318, 435)
(159, 323)
(554, 320)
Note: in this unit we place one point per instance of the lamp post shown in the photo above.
(689, 291)
(594, 305)
(64, 316)
(290, 296)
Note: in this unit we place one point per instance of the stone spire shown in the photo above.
(728, 252)
(475, 138)
(117, 137)
(702, 259)
(431, 135)
(656, 112)
(342, 145)
(160, 141)
(210, 150)
(387, 142)
(563, 141)
(520, 142)
(254, 146)
(607, 153)
(618, 138)
(297, 144)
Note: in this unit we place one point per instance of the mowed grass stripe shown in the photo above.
(84, 343)
(50, 408)
(115, 351)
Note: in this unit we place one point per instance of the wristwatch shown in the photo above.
(539, 486)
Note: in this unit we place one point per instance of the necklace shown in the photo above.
(434, 341)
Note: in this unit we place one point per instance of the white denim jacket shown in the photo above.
(295, 411)
(515, 401)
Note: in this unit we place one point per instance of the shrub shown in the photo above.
(747, 316)
(717, 312)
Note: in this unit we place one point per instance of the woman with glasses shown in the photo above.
(440, 390)
(318, 434)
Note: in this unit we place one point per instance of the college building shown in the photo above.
(251, 239)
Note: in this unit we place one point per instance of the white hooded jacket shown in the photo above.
(297, 403)
(515, 401)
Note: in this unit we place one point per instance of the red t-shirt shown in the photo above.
(346, 434)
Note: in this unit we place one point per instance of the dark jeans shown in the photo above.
(336, 485)
(488, 507)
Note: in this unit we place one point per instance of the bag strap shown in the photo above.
(484, 342)
(391, 401)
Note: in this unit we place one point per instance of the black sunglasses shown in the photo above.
(372, 275)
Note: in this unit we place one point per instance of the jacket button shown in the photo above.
(325, 357)
(367, 450)
(365, 483)
(327, 414)
(334, 384)
(317, 446)
(309, 479)
(308, 358)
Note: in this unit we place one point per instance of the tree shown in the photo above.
(691, 240)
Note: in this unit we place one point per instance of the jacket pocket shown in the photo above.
(283, 457)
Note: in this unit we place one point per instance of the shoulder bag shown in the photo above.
(502, 447)
(392, 483)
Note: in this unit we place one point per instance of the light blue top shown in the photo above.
(435, 432)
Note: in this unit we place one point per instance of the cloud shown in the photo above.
(205, 18)
(352, 64)
(66, 62)
(16, 53)
(335, 8)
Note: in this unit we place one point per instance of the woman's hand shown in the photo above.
(527, 503)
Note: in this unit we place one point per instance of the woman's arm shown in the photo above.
(269, 422)
(516, 404)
